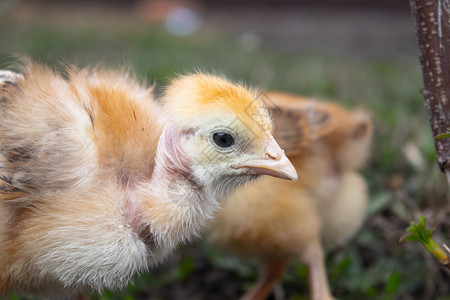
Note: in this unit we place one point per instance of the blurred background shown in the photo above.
(358, 53)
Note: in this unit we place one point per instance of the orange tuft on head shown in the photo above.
(194, 99)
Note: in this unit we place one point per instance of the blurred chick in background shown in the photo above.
(98, 181)
(277, 221)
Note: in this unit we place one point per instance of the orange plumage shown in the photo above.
(276, 221)
(98, 181)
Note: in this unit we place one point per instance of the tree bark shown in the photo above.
(432, 22)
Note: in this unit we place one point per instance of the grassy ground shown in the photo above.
(402, 185)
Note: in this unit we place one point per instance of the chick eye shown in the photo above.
(223, 139)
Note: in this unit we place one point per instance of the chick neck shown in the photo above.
(174, 205)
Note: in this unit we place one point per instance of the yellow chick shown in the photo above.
(277, 221)
(98, 181)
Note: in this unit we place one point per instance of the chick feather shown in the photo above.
(276, 221)
(98, 181)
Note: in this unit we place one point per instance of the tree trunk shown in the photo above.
(432, 22)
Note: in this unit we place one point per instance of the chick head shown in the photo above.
(329, 130)
(308, 126)
(221, 133)
(357, 131)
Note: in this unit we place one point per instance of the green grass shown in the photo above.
(375, 265)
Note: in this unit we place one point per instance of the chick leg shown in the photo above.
(317, 274)
(272, 273)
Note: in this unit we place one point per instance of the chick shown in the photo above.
(276, 221)
(99, 182)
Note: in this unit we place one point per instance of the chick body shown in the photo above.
(98, 181)
(70, 148)
(277, 221)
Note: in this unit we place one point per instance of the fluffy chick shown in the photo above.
(276, 221)
(98, 181)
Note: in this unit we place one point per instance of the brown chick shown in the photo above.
(277, 221)
(99, 182)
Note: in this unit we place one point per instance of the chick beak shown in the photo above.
(275, 163)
